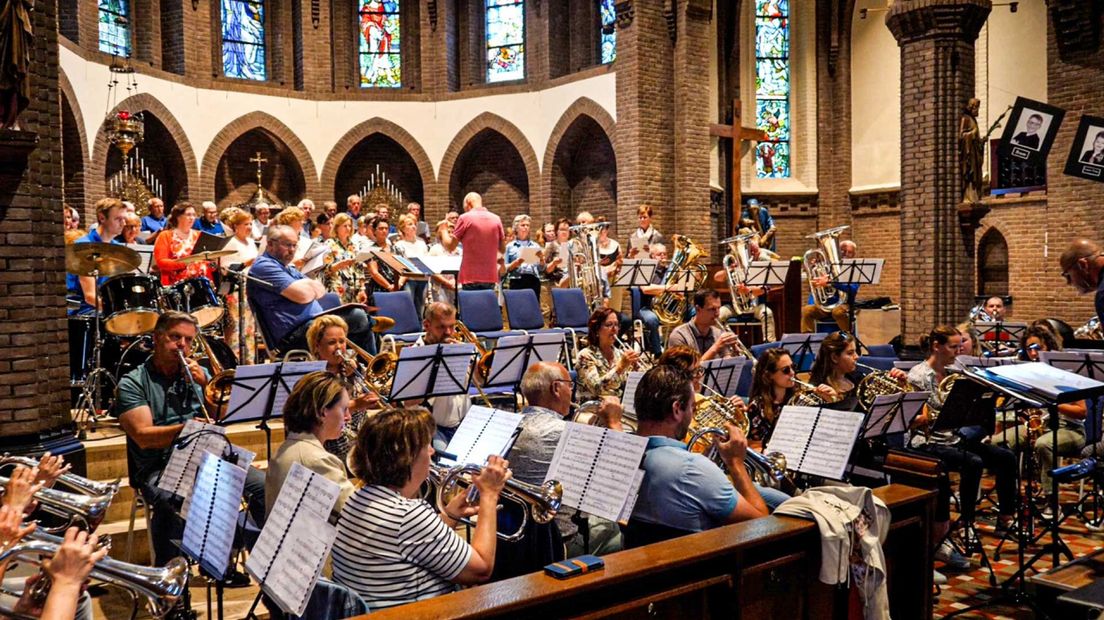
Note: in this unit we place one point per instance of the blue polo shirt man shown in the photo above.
(155, 221)
(110, 217)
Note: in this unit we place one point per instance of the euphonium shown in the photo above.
(736, 263)
(1090, 330)
(483, 364)
(161, 587)
(671, 306)
(768, 470)
(82, 510)
(878, 383)
(822, 261)
(586, 264)
(540, 502)
(71, 480)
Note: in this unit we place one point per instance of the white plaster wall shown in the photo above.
(320, 124)
(714, 111)
(875, 101)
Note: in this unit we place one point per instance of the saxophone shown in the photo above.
(586, 264)
(671, 306)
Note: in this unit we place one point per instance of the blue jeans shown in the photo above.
(652, 337)
(417, 289)
(773, 498)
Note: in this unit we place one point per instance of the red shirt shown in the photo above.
(481, 233)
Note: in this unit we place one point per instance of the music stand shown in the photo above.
(432, 370)
(803, 348)
(766, 273)
(857, 271)
(513, 355)
(892, 414)
(636, 272)
(722, 376)
(993, 334)
(261, 390)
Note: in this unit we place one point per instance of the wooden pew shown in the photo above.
(761, 569)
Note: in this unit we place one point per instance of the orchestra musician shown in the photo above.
(811, 313)
(960, 450)
(1082, 264)
(316, 412)
(609, 257)
(382, 278)
(757, 217)
(772, 387)
(645, 234)
(519, 273)
(410, 245)
(971, 344)
(557, 253)
(994, 307)
(836, 368)
(177, 242)
(130, 229)
(111, 217)
(669, 504)
(448, 411)
(245, 252)
(327, 338)
(701, 333)
(604, 365)
(546, 387)
(653, 339)
(392, 547)
(344, 276)
(762, 312)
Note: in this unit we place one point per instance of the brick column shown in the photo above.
(691, 125)
(645, 114)
(937, 77)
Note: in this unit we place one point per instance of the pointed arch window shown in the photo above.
(505, 36)
(243, 39)
(378, 40)
(114, 21)
(772, 88)
(608, 31)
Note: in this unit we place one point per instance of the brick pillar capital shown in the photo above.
(914, 20)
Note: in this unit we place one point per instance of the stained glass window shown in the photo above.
(609, 32)
(243, 39)
(505, 40)
(380, 60)
(772, 87)
(115, 27)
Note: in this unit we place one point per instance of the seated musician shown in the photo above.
(836, 374)
(971, 344)
(448, 411)
(176, 242)
(772, 387)
(1071, 425)
(327, 338)
(605, 363)
(111, 216)
(762, 311)
(316, 412)
(701, 332)
(683, 492)
(394, 548)
(959, 450)
(812, 313)
(653, 339)
(154, 401)
(289, 300)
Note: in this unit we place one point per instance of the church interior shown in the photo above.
(900, 193)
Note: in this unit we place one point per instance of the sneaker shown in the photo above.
(950, 557)
(236, 579)
(939, 578)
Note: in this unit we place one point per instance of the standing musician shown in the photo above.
(604, 365)
(241, 243)
(645, 235)
(111, 216)
(701, 333)
(381, 278)
(408, 244)
(519, 273)
(327, 339)
(448, 411)
(762, 312)
(812, 313)
(1082, 264)
(772, 387)
(481, 233)
(546, 387)
(154, 401)
(557, 255)
(836, 372)
(344, 276)
(394, 548)
(316, 412)
(177, 242)
(684, 492)
(959, 450)
(610, 259)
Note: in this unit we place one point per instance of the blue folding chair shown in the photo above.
(758, 349)
(524, 312)
(572, 311)
(480, 312)
(399, 307)
(881, 350)
(266, 331)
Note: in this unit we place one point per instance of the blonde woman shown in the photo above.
(240, 225)
(344, 276)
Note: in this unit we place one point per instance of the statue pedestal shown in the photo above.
(969, 214)
(16, 145)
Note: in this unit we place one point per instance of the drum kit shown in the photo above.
(130, 304)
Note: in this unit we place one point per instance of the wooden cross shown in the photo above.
(736, 135)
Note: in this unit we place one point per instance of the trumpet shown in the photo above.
(741, 348)
(85, 511)
(161, 587)
(540, 502)
(768, 470)
(71, 480)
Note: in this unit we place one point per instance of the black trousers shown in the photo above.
(970, 458)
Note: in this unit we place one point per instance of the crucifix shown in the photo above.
(259, 160)
(736, 136)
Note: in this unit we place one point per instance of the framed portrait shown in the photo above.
(1086, 157)
(1030, 131)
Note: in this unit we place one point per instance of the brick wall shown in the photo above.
(583, 173)
(236, 176)
(72, 158)
(172, 36)
(34, 374)
(361, 162)
(876, 227)
(492, 166)
(795, 215)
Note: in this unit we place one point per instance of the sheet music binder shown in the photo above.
(202, 554)
(577, 465)
(797, 455)
(494, 417)
(188, 454)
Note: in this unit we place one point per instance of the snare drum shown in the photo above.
(130, 305)
(197, 297)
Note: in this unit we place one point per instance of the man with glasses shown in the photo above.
(1081, 267)
(701, 333)
(288, 300)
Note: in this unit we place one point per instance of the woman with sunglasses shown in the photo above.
(772, 386)
(837, 367)
(605, 363)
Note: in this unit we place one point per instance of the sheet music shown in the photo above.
(634, 494)
(794, 343)
(213, 517)
(546, 347)
(442, 264)
(860, 270)
(296, 540)
(412, 374)
(145, 255)
(316, 261)
(483, 432)
(249, 395)
(179, 474)
(792, 431)
(628, 396)
(1085, 363)
(530, 256)
(831, 443)
(1040, 378)
(723, 375)
(596, 467)
(245, 459)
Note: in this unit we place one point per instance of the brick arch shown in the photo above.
(142, 102)
(581, 107)
(70, 95)
(384, 127)
(509, 131)
(994, 272)
(75, 179)
(239, 126)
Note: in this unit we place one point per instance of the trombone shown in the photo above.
(540, 502)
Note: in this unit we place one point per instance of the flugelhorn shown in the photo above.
(740, 347)
(161, 587)
(540, 502)
(79, 509)
(69, 479)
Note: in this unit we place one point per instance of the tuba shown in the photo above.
(586, 264)
(767, 470)
(541, 502)
(821, 261)
(671, 306)
(736, 263)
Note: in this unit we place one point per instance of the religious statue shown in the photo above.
(756, 217)
(16, 40)
(971, 151)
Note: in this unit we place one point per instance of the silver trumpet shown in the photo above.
(71, 480)
(79, 509)
(161, 587)
(541, 502)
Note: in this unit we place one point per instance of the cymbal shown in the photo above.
(103, 259)
(204, 256)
